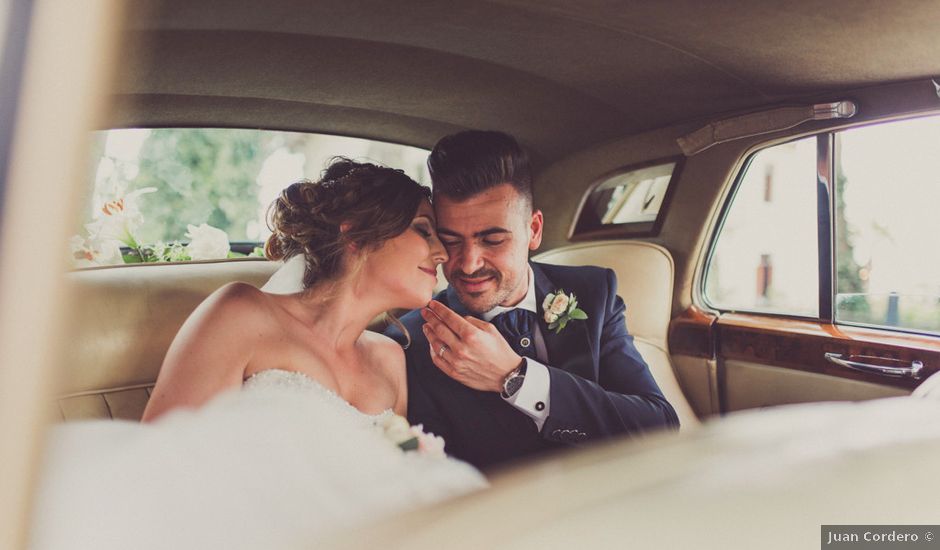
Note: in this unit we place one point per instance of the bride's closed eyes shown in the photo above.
(423, 227)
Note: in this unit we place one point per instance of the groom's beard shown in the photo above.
(481, 302)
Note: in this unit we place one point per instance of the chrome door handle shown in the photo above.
(911, 371)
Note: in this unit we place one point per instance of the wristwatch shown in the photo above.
(513, 381)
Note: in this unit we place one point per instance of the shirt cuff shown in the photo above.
(532, 397)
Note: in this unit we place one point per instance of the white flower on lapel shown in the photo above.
(559, 308)
(206, 242)
(560, 304)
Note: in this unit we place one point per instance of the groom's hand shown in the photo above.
(467, 349)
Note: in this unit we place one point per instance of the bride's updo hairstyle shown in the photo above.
(353, 203)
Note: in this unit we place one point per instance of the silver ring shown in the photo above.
(440, 352)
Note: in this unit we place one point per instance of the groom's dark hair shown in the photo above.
(470, 162)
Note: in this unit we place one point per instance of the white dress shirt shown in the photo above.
(533, 397)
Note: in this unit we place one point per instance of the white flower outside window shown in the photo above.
(207, 243)
(115, 226)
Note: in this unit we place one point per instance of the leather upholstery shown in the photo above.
(645, 279)
(126, 317)
(122, 324)
(750, 385)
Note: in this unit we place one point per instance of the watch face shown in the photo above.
(513, 385)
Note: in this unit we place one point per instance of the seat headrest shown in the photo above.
(644, 275)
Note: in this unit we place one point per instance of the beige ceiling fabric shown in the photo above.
(561, 75)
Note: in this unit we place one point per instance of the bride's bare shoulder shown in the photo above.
(211, 350)
(385, 353)
(235, 302)
(238, 291)
(383, 347)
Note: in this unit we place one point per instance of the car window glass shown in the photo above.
(888, 184)
(149, 187)
(634, 196)
(765, 256)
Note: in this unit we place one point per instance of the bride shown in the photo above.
(368, 242)
(265, 426)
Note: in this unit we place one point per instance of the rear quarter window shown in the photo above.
(630, 202)
(174, 194)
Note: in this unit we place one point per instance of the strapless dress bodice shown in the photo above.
(281, 379)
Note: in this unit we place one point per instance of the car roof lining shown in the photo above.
(563, 76)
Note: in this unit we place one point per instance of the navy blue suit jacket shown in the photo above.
(600, 385)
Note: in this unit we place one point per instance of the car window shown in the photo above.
(885, 268)
(765, 255)
(628, 202)
(186, 193)
(889, 183)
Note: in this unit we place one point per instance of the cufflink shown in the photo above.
(525, 342)
(539, 406)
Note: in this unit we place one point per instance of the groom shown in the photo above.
(497, 366)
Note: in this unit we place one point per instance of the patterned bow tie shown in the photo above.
(518, 328)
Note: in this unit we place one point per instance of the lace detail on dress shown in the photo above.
(294, 380)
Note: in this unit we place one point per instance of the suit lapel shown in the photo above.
(571, 349)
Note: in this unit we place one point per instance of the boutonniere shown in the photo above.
(560, 308)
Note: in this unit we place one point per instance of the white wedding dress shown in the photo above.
(280, 464)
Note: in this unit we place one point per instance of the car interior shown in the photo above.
(681, 100)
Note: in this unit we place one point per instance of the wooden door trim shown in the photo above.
(692, 333)
(799, 344)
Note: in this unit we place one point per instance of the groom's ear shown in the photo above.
(535, 230)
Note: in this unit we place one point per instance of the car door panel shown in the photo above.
(748, 385)
(765, 360)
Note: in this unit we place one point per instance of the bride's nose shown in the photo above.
(438, 252)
